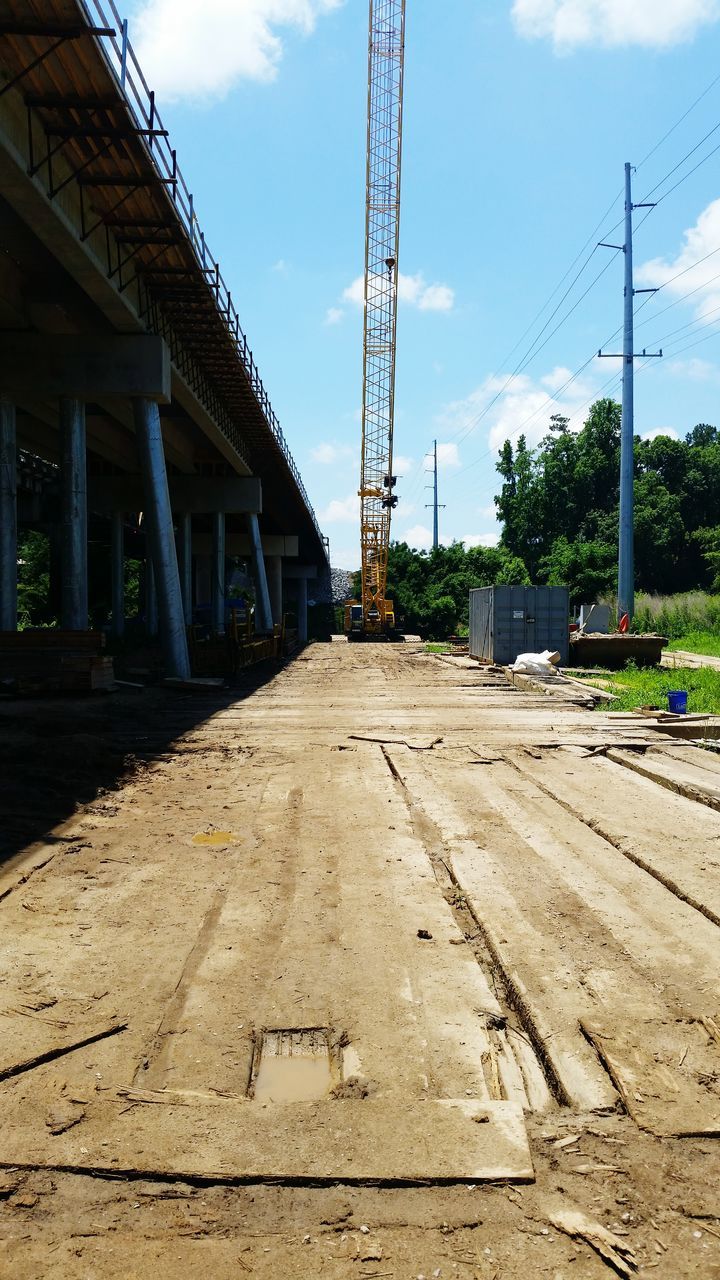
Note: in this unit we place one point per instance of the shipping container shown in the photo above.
(507, 621)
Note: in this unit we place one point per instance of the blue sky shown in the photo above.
(519, 118)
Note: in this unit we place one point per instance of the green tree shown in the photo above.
(587, 569)
(34, 580)
(559, 505)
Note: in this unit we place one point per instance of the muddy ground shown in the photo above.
(375, 966)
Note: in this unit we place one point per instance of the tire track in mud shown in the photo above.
(157, 1052)
(506, 984)
(152, 1067)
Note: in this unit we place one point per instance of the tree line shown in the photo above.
(558, 507)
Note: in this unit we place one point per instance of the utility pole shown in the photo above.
(626, 529)
(434, 504)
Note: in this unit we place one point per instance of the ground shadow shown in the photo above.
(57, 753)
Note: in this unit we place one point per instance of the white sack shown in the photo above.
(536, 664)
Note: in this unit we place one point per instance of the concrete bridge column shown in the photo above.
(151, 607)
(302, 616)
(218, 573)
(184, 546)
(73, 482)
(274, 576)
(117, 572)
(162, 539)
(263, 612)
(8, 516)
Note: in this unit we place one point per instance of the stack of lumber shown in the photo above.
(54, 661)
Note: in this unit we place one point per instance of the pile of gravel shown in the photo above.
(341, 582)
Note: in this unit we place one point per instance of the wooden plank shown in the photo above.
(227, 1140)
(685, 779)
(666, 1074)
(30, 1038)
(628, 811)
(533, 960)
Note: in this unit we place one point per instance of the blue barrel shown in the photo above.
(677, 701)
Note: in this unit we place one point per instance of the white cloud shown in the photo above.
(200, 50)
(345, 557)
(412, 290)
(324, 453)
(660, 431)
(341, 511)
(402, 466)
(334, 315)
(447, 456)
(436, 297)
(695, 369)
(480, 539)
(327, 452)
(699, 240)
(656, 24)
(355, 292)
(418, 536)
(557, 378)
(520, 405)
(280, 267)
(489, 512)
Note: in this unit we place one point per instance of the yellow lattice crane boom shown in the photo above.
(386, 58)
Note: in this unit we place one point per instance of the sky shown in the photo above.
(519, 118)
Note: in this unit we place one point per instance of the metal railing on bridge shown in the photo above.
(140, 99)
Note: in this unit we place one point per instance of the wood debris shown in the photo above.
(612, 1249)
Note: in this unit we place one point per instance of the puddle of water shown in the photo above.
(214, 838)
(295, 1066)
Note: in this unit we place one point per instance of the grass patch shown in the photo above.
(707, 642)
(437, 647)
(649, 687)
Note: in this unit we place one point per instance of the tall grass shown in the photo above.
(677, 616)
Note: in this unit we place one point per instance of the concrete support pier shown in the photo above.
(8, 516)
(218, 573)
(117, 572)
(263, 612)
(151, 609)
(274, 576)
(73, 481)
(162, 538)
(298, 575)
(302, 616)
(184, 546)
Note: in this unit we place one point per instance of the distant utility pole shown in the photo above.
(434, 504)
(626, 548)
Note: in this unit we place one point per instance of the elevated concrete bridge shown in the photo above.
(124, 371)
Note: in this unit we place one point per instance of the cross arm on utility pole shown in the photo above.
(636, 355)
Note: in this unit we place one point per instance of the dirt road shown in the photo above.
(381, 968)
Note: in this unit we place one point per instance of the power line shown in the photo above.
(681, 162)
(701, 321)
(690, 292)
(468, 427)
(679, 121)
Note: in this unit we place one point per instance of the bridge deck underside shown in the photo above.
(87, 141)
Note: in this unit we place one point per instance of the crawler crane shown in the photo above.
(373, 616)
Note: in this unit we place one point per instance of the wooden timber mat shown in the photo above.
(667, 1073)
(237, 1140)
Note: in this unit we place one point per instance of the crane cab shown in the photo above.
(378, 624)
(353, 620)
